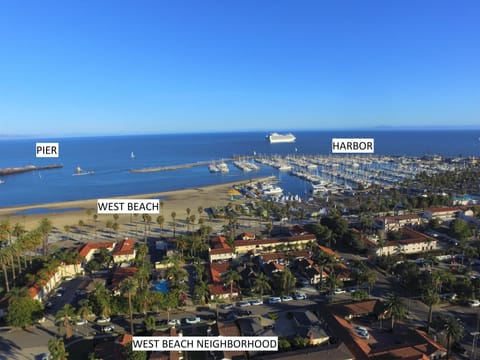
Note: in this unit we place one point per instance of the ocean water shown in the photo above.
(109, 158)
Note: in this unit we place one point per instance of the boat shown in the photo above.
(223, 167)
(132, 155)
(2, 182)
(79, 172)
(280, 138)
(213, 168)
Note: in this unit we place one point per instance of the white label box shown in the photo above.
(353, 146)
(47, 150)
(128, 206)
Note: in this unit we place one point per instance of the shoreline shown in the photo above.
(70, 212)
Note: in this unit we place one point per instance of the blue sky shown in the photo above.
(119, 67)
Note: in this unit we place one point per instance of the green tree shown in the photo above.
(65, 316)
(454, 331)
(150, 323)
(359, 295)
(57, 350)
(129, 354)
(129, 287)
(430, 298)
(174, 217)
(261, 284)
(23, 311)
(395, 308)
(229, 277)
(45, 227)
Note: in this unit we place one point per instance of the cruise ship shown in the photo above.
(280, 138)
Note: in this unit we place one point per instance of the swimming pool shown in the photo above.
(161, 286)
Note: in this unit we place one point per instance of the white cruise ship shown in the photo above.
(280, 138)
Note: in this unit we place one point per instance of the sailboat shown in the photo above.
(132, 155)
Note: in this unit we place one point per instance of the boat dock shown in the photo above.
(173, 167)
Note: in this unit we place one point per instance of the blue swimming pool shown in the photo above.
(162, 286)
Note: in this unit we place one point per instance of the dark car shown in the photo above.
(459, 349)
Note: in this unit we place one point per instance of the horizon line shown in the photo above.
(341, 129)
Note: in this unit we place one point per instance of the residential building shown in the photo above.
(124, 251)
(397, 222)
(89, 249)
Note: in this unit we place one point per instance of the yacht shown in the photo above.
(281, 138)
(79, 171)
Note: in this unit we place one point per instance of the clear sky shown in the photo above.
(118, 67)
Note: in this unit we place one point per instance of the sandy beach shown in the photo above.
(178, 201)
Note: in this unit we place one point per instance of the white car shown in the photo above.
(473, 303)
(300, 296)
(243, 304)
(103, 320)
(256, 302)
(274, 300)
(286, 298)
(81, 322)
(339, 291)
(108, 328)
(174, 322)
(192, 320)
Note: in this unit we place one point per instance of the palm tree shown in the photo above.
(454, 330)
(66, 315)
(56, 347)
(229, 277)
(3, 264)
(430, 298)
(261, 284)
(45, 227)
(174, 215)
(201, 291)
(395, 307)
(129, 288)
(160, 222)
(84, 310)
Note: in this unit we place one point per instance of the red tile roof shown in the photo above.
(443, 209)
(122, 273)
(85, 249)
(217, 269)
(221, 290)
(275, 240)
(124, 247)
(273, 256)
(327, 250)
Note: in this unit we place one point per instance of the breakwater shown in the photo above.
(18, 170)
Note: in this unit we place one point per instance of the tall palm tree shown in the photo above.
(174, 216)
(45, 227)
(66, 315)
(454, 330)
(229, 277)
(160, 222)
(129, 287)
(396, 308)
(430, 298)
(261, 284)
(3, 264)
(84, 310)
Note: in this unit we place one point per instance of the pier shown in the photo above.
(18, 170)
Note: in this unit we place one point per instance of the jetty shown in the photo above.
(171, 167)
(18, 170)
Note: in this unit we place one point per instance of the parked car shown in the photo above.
(103, 320)
(286, 298)
(226, 306)
(44, 356)
(242, 313)
(256, 302)
(81, 322)
(299, 296)
(108, 328)
(473, 303)
(459, 349)
(243, 303)
(174, 322)
(339, 291)
(274, 300)
(48, 305)
(192, 320)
